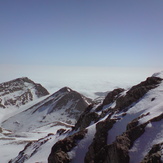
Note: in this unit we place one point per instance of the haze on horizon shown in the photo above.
(87, 45)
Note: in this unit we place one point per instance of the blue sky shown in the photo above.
(82, 32)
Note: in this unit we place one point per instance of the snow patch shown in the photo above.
(78, 153)
(153, 135)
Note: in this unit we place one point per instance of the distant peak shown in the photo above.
(22, 79)
(65, 89)
(158, 74)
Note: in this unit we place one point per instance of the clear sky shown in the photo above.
(82, 32)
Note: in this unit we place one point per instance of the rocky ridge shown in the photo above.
(19, 92)
(63, 106)
(116, 108)
(125, 127)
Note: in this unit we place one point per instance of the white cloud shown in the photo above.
(86, 80)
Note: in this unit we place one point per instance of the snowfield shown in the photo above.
(36, 133)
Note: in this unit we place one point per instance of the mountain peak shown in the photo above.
(19, 80)
(65, 89)
(64, 105)
(20, 91)
(158, 74)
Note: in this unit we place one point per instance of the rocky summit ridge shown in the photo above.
(19, 92)
(64, 106)
(125, 127)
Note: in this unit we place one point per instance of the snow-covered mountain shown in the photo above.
(126, 127)
(64, 106)
(19, 92)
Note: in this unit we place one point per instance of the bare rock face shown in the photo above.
(63, 106)
(89, 116)
(122, 102)
(59, 150)
(136, 93)
(19, 92)
(96, 152)
(111, 131)
(110, 98)
(118, 151)
(86, 118)
(154, 155)
(29, 150)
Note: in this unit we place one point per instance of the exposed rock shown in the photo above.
(59, 150)
(115, 109)
(61, 131)
(86, 118)
(110, 98)
(135, 122)
(29, 150)
(122, 102)
(154, 155)
(136, 93)
(117, 152)
(19, 92)
(158, 118)
(60, 157)
(64, 105)
(96, 151)
(1, 130)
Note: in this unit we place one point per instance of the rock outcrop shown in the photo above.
(63, 106)
(123, 102)
(112, 110)
(118, 151)
(18, 92)
(96, 151)
(125, 127)
(89, 116)
(136, 93)
(110, 98)
(59, 152)
(29, 150)
(154, 155)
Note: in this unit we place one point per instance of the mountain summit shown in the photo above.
(126, 127)
(19, 92)
(64, 106)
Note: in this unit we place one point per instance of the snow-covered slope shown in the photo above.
(127, 129)
(64, 106)
(127, 126)
(19, 92)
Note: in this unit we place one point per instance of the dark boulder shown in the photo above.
(86, 118)
(59, 150)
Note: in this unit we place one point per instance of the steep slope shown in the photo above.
(18, 92)
(65, 105)
(124, 129)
